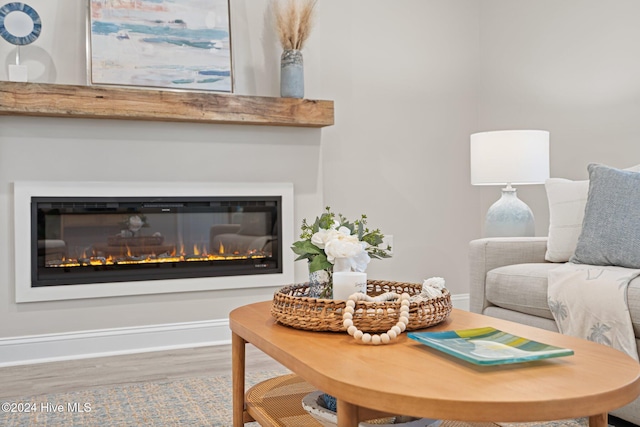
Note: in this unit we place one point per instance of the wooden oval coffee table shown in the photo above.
(411, 379)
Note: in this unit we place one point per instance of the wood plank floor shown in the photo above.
(61, 377)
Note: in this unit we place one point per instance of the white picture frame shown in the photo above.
(170, 44)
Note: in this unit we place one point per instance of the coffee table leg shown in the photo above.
(347, 414)
(600, 420)
(237, 378)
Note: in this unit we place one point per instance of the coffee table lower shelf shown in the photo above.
(277, 402)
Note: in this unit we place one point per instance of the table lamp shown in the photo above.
(505, 158)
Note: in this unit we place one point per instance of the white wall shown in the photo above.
(102, 150)
(404, 78)
(570, 67)
(410, 80)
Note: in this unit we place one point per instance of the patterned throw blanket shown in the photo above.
(590, 302)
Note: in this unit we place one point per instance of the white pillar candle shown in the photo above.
(346, 283)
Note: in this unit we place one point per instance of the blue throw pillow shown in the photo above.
(611, 226)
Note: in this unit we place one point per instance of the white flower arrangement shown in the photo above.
(132, 224)
(339, 243)
(333, 237)
(135, 223)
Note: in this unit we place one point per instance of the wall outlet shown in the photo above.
(388, 241)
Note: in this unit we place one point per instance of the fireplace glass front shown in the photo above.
(87, 240)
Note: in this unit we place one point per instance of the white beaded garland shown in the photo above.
(376, 339)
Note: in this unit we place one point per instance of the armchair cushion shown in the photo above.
(567, 201)
(521, 288)
(611, 227)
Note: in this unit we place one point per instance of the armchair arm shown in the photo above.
(489, 253)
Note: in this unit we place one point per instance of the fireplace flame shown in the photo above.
(131, 255)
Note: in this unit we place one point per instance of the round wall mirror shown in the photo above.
(19, 23)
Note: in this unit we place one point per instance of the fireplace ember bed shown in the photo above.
(86, 240)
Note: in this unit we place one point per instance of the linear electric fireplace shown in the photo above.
(110, 239)
(97, 240)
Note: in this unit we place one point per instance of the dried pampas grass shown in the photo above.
(294, 20)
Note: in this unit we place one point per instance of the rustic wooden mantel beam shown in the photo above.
(100, 102)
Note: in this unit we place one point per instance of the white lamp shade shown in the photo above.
(509, 157)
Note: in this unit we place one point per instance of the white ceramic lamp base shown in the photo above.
(509, 217)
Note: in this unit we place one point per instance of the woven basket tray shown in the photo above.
(293, 307)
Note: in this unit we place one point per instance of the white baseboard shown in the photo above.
(117, 341)
(111, 342)
(460, 301)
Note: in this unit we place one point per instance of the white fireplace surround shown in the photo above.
(25, 190)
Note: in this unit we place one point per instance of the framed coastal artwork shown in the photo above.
(175, 44)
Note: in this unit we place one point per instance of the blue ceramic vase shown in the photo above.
(291, 74)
